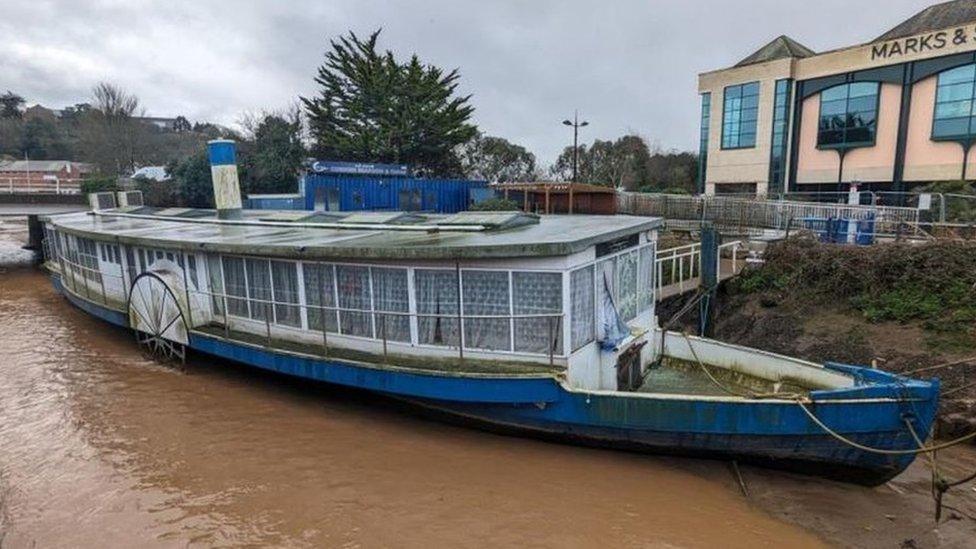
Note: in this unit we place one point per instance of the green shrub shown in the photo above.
(99, 184)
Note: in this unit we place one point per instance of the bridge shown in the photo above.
(678, 270)
(33, 205)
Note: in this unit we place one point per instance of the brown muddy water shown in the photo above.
(102, 448)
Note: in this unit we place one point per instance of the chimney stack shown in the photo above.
(223, 170)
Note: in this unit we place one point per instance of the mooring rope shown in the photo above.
(802, 402)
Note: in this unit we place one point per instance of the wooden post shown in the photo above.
(547, 199)
(571, 198)
(525, 202)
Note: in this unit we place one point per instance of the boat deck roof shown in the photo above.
(368, 235)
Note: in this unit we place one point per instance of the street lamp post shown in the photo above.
(576, 125)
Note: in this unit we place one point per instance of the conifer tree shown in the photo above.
(373, 108)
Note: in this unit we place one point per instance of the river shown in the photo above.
(100, 447)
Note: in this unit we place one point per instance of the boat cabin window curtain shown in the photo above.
(486, 293)
(538, 294)
(236, 286)
(354, 293)
(626, 285)
(645, 285)
(437, 295)
(259, 288)
(320, 292)
(391, 294)
(284, 275)
(605, 279)
(215, 276)
(581, 292)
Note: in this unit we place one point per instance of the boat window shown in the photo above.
(192, 261)
(236, 286)
(437, 295)
(259, 288)
(486, 293)
(214, 273)
(581, 295)
(354, 294)
(319, 292)
(284, 275)
(537, 294)
(391, 293)
(645, 289)
(627, 285)
(88, 258)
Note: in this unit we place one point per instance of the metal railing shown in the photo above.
(681, 265)
(742, 213)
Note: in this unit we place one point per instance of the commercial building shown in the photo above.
(891, 114)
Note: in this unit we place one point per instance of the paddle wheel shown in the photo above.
(156, 315)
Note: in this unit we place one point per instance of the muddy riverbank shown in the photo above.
(99, 447)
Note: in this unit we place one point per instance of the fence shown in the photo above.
(681, 266)
(742, 214)
(34, 185)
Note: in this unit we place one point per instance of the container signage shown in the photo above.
(359, 168)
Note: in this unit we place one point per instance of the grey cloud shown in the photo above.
(627, 65)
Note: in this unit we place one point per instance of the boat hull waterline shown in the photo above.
(767, 432)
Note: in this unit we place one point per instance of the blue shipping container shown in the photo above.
(356, 193)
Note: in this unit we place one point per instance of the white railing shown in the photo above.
(678, 265)
(732, 248)
(681, 266)
(741, 212)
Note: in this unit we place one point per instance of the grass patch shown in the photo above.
(932, 285)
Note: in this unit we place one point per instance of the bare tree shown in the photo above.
(109, 133)
(114, 102)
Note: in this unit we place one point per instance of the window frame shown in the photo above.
(845, 144)
(726, 137)
(971, 118)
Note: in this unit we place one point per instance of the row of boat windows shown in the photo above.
(375, 302)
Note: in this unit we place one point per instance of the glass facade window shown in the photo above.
(781, 122)
(706, 123)
(955, 97)
(741, 110)
(848, 116)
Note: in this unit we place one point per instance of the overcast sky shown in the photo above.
(629, 66)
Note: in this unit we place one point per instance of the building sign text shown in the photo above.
(933, 41)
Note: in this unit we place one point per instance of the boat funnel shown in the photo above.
(223, 171)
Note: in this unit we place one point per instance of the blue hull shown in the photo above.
(767, 432)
